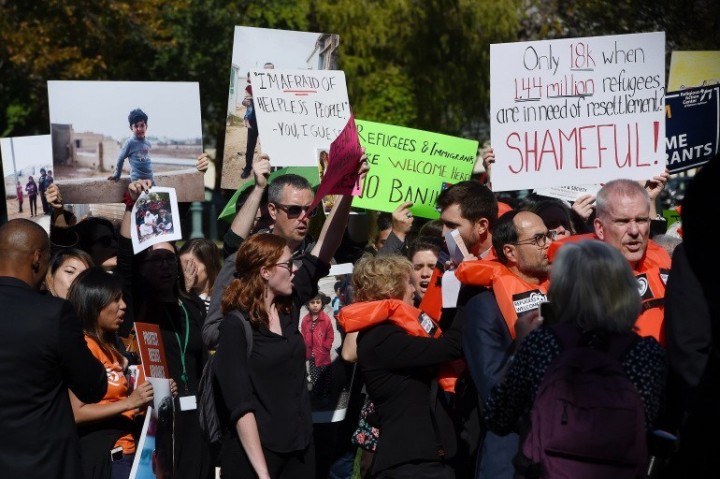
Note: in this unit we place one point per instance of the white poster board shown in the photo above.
(577, 111)
(299, 111)
(155, 218)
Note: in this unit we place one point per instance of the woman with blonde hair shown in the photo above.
(400, 351)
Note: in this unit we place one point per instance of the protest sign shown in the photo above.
(265, 48)
(299, 111)
(577, 111)
(93, 140)
(155, 218)
(690, 69)
(340, 177)
(152, 350)
(411, 165)
(692, 127)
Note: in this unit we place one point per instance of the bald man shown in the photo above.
(42, 355)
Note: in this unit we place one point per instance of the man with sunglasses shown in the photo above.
(289, 198)
(493, 295)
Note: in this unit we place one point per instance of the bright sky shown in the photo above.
(173, 108)
(285, 49)
(28, 151)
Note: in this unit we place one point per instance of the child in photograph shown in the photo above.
(136, 149)
(317, 331)
(164, 221)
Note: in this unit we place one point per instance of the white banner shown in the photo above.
(577, 111)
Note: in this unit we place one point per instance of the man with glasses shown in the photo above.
(622, 219)
(288, 201)
(494, 294)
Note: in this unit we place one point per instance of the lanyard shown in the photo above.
(183, 348)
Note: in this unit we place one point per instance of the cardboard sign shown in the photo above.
(693, 127)
(411, 165)
(152, 350)
(299, 111)
(577, 111)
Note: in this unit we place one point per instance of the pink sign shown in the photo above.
(341, 177)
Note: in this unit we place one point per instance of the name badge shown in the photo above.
(188, 403)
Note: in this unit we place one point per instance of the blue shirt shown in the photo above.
(137, 150)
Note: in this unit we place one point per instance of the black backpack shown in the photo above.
(211, 411)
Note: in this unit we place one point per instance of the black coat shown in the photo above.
(42, 354)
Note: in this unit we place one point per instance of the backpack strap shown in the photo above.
(246, 326)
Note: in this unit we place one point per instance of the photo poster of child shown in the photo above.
(264, 48)
(23, 159)
(117, 131)
(329, 377)
(155, 218)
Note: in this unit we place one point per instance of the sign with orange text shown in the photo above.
(577, 111)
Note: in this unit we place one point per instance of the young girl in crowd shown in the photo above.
(317, 330)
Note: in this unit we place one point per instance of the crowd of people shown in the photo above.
(564, 312)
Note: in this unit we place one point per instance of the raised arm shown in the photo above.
(244, 219)
(335, 224)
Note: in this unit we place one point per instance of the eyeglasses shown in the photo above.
(539, 240)
(169, 260)
(294, 211)
(290, 264)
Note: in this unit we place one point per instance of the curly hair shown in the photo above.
(247, 290)
(380, 277)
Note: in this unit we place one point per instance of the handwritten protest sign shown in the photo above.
(341, 178)
(577, 111)
(299, 111)
(693, 127)
(411, 165)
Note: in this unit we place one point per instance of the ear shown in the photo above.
(272, 210)
(265, 272)
(599, 230)
(37, 260)
(481, 226)
(509, 251)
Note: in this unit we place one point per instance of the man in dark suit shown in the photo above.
(42, 355)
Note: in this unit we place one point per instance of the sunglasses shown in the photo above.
(290, 264)
(294, 211)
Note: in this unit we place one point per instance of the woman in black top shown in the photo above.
(400, 351)
(154, 290)
(267, 393)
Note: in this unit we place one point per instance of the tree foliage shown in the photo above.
(417, 63)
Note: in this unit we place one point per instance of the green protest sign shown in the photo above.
(411, 165)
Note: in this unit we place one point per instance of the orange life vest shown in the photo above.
(513, 294)
(359, 316)
(651, 273)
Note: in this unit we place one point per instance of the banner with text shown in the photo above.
(577, 111)
(411, 165)
(692, 127)
(299, 111)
